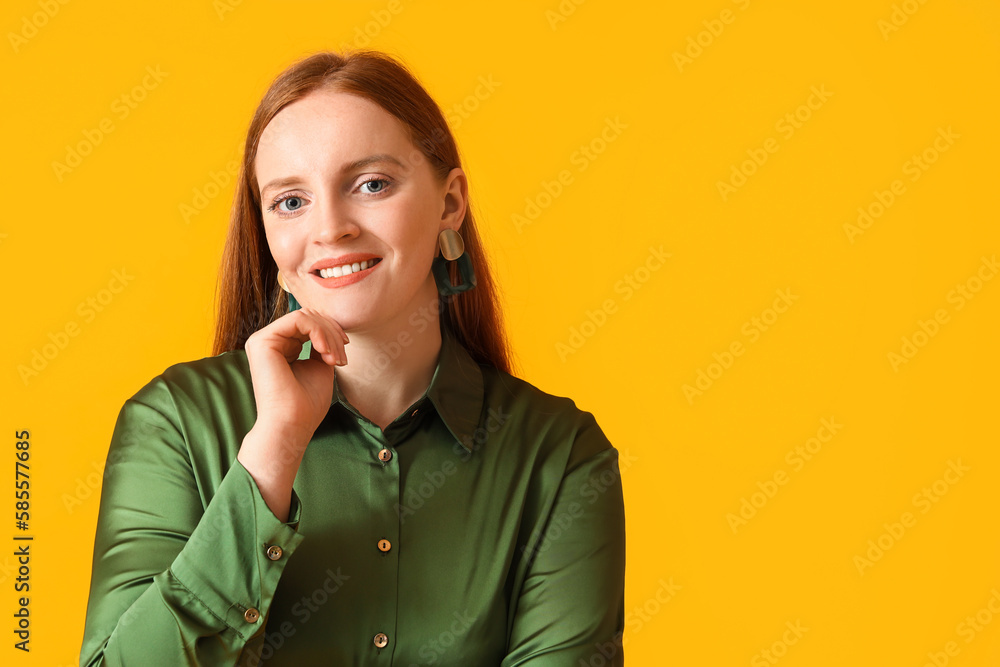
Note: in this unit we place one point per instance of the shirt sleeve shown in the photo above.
(182, 575)
(571, 606)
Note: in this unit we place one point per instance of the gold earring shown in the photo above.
(452, 248)
(451, 244)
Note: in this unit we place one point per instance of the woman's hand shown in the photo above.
(293, 396)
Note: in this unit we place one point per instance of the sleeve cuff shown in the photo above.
(235, 557)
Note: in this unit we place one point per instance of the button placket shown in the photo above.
(385, 526)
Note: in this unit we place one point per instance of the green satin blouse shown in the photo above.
(484, 527)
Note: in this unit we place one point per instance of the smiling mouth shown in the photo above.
(347, 269)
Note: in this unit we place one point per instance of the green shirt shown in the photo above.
(485, 526)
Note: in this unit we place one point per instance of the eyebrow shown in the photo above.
(346, 168)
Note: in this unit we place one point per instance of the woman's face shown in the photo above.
(341, 184)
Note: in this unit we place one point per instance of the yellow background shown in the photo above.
(894, 76)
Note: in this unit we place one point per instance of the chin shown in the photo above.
(351, 316)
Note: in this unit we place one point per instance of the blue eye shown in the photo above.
(287, 204)
(384, 183)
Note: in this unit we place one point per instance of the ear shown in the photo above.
(456, 200)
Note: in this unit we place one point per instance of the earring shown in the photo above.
(452, 248)
(293, 304)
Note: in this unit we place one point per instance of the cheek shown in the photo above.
(410, 230)
(285, 248)
(421, 245)
(422, 233)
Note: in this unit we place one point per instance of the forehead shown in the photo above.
(327, 129)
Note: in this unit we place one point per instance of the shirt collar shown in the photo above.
(456, 389)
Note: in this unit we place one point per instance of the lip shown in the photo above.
(330, 262)
(343, 281)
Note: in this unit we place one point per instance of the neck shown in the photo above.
(389, 367)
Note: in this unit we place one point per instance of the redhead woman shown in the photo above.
(355, 477)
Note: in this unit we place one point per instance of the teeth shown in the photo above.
(346, 269)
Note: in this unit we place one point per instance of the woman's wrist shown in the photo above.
(276, 456)
(273, 464)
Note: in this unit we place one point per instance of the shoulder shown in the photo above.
(198, 409)
(223, 370)
(195, 384)
(553, 422)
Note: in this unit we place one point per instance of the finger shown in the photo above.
(327, 358)
(322, 343)
(290, 332)
(337, 339)
(333, 338)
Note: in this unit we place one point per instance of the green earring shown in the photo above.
(452, 249)
(293, 304)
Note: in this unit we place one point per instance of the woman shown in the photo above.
(359, 480)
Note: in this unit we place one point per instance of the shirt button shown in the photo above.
(384, 455)
(414, 413)
(274, 552)
(384, 545)
(251, 615)
(381, 639)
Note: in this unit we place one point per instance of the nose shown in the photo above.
(333, 220)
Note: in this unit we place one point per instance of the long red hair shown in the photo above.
(249, 296)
